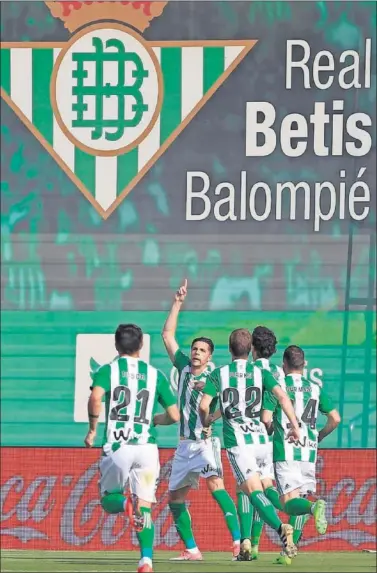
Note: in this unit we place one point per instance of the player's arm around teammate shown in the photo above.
(239, 387)
(198, 453)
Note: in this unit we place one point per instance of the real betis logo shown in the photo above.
(107, 103)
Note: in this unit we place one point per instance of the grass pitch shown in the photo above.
(124, 562)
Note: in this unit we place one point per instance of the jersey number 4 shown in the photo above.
(252, 395)
(142, 398)
(309, 416)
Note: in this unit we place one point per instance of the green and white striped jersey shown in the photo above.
(189, 397)
(240, 386)
(276, 371)
(132, 390)
(307, 398)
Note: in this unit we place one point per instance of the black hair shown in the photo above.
(206, 340)
(294, 357)
(128, 338)
(264, 342)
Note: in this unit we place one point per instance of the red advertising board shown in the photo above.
(49, 500)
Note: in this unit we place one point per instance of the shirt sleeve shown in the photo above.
(212, 385)
(325, 403)
(165, 395)
(268, 380)
(102, 378)
(181, 360)
(269, 401)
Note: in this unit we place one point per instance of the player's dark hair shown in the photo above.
(206, 340)
(264, 341)
(294, 357)
(128, 338)
(240, 343)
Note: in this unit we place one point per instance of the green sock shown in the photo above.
(256, 530)
(146, 535)
(272, 494)
(229, 510)
(297, 522)
(298, 506)
(245, 514)
(265, 508)
(182, 520)
(113, 502)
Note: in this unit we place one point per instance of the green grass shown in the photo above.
(117, 561)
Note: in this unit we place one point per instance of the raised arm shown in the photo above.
(170, 326)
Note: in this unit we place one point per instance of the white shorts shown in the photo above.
(250, 459)
(136, 465)
(194, 459)
(295, 475)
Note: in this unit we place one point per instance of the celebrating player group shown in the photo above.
(269, 417)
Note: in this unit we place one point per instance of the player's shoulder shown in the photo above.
(217, 370)
(150, 369)
(104, 369)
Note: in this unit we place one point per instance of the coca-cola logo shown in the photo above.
(81, 518)
(61, 509)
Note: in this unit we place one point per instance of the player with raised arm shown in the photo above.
(239, 387)
(132, 389)
(198, 453)
(263, 347)
(295, 462)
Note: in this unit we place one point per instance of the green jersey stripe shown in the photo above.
(241, 387)
(213, 66)
(5, 69)
(42, 65)
(171, 64)
(182, 389)
(312, 456)
(85, 169)
(305, 396)
(140, 404)
(193, 415)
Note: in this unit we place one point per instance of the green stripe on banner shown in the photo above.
(5, 70)
(171, 65)
(85, 169)
(213, 66)
(126, 169)
(42, 64)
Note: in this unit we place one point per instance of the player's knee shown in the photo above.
(267, 483)
(176, 497)
(143, 506)
(113, 503)
(215, 483)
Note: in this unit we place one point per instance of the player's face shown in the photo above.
(200, 354)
